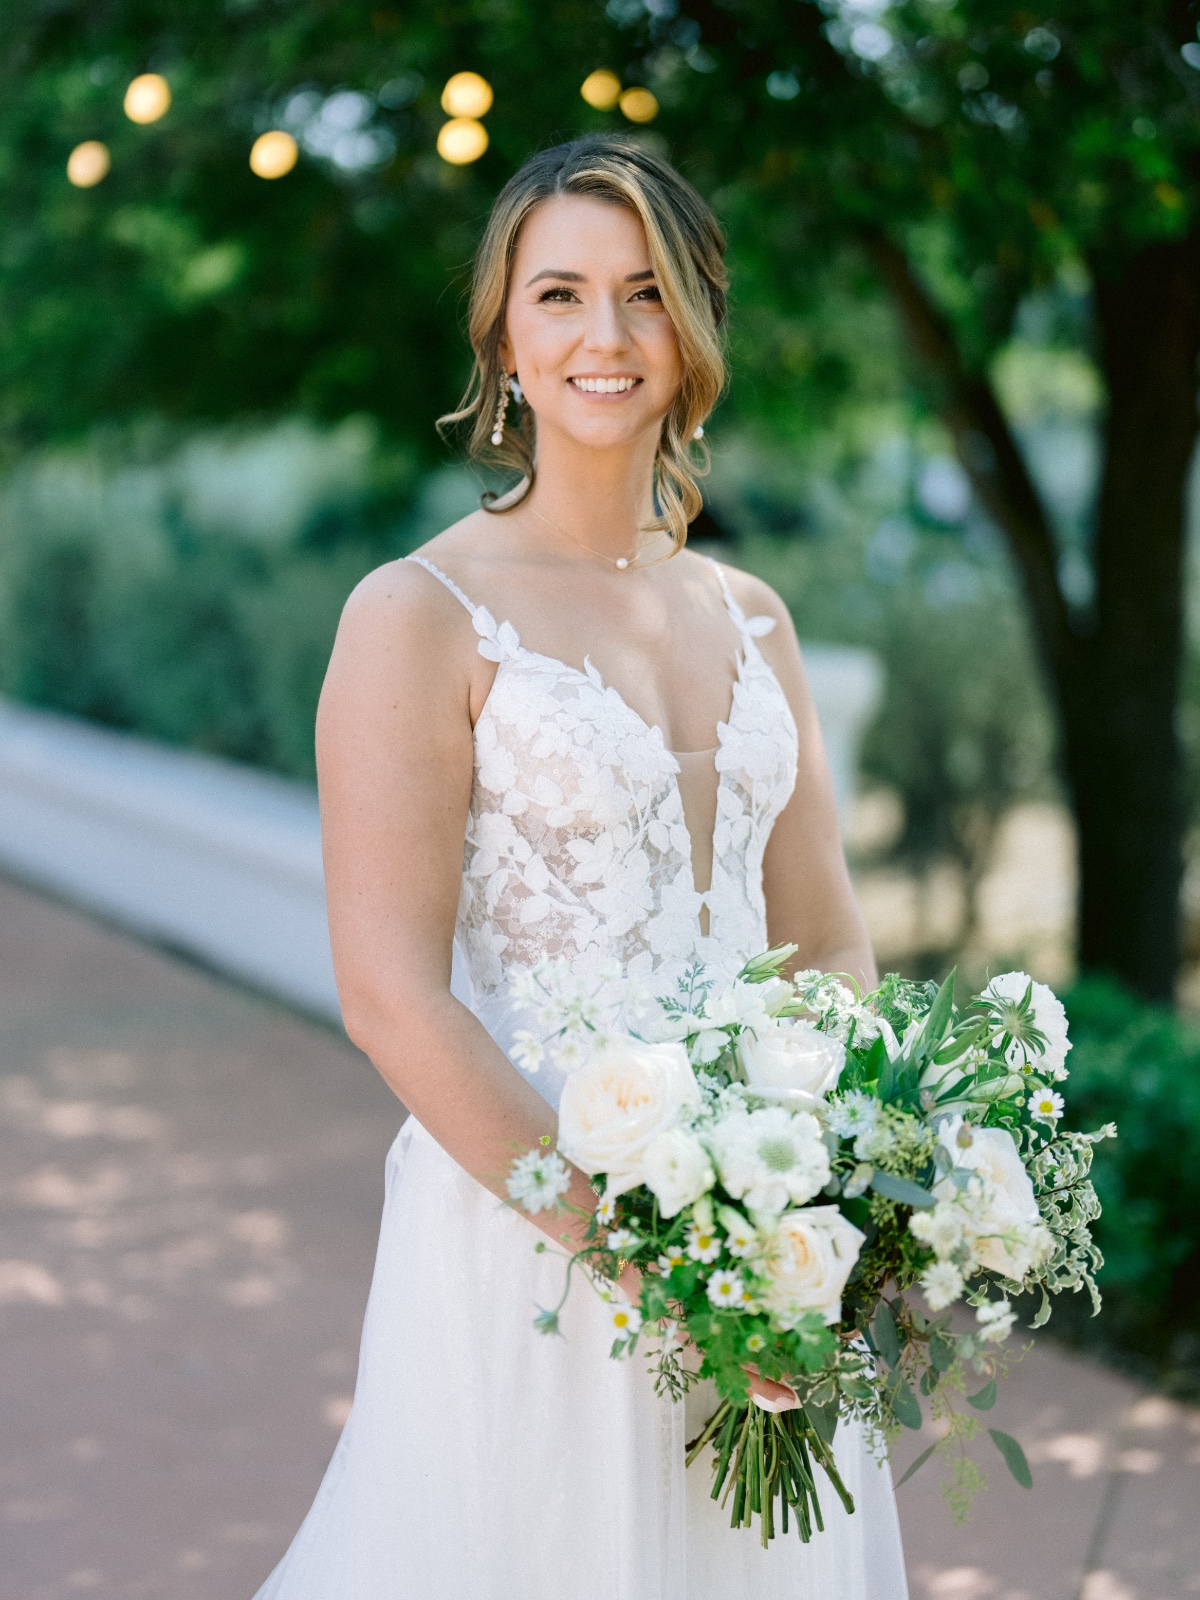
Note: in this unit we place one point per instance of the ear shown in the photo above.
(505, 352)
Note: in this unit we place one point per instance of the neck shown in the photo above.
(601, 498)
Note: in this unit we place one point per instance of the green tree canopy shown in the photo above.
(949, 155)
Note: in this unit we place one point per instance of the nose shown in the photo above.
(606, 332)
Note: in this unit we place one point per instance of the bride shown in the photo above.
(554, 731)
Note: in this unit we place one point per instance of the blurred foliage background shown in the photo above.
(965, 251)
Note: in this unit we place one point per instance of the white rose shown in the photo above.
(1007, 1204)
(612, 1108)
(792, 1061)
(809, 1257)
(676, 1169)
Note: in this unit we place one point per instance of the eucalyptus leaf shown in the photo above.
(902, 1190)
(916, 1466)
(986, 1397)
(886, 1340)
(905, 1404)
(1014, 1457)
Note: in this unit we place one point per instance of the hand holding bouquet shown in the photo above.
(783, 1160)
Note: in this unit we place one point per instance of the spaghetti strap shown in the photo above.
(748, 627)
(449, 582)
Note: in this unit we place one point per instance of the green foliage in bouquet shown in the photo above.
(782, 1161)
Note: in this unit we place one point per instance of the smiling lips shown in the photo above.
(605, 385)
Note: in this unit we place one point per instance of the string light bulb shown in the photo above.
(147, 98)
(88, 164)
(461, 141)
(467, 95)
(273, 154)
(639, 105)
(601, 89)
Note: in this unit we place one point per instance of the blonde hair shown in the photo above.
(687, 251)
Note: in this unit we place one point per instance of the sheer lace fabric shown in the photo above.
(483, 1461)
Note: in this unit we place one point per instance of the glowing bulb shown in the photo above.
(147, 98)
(88, 164)
(639, 105)
(274, 154)
(467, 95)
(601, 89)
(462, 140)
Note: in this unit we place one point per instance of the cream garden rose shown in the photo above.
(615, 1106)
(791, 1060)
(1010, 1236)
(809, 1257)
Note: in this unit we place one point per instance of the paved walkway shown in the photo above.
(191, 1181)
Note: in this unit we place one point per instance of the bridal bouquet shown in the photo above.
(783, 1160)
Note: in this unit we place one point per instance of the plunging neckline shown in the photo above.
(500, 642)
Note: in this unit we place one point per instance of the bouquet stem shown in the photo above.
(764, 1456)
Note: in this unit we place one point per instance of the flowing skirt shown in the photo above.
(486, 1461)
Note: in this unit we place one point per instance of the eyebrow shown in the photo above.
(578, 277)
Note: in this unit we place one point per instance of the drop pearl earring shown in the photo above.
(501, 413)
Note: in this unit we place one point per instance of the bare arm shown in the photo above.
(810, 900)
(394, 761)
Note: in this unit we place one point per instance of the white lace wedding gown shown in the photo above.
(483, 1460)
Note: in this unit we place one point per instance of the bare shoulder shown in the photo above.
(401, 600)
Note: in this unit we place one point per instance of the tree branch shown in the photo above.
(985, 445)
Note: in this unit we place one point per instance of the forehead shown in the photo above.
(580, 233)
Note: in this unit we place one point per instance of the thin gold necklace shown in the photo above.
(621, 563)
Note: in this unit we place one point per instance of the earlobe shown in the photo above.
(504, 352)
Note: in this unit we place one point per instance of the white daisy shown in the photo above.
(606, 1211)
(703, 1244)
(726, 1289)
(1046, 1106)
(669, 1260)
(623, 1241)
(741, 1237)
(626, 1319)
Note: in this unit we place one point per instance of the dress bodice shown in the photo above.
(577, 845)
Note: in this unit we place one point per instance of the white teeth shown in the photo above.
(604, 385)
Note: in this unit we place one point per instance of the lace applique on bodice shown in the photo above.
(577, 846)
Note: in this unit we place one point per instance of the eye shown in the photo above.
(558, 295)
(650, 292)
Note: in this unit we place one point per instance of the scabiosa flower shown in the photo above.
(1046, 1106)
(703, 1245)
(771, 1158)
(726, 1289)
(943, 1284)
(538, 1181)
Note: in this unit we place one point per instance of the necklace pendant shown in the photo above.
(622, 563)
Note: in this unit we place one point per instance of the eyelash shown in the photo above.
(563, 296)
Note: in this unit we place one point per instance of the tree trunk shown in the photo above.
(1120, 687)
(1113, 675)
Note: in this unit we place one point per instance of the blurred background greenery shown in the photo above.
(965, 251)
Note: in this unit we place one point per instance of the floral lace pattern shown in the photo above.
(577, 846)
